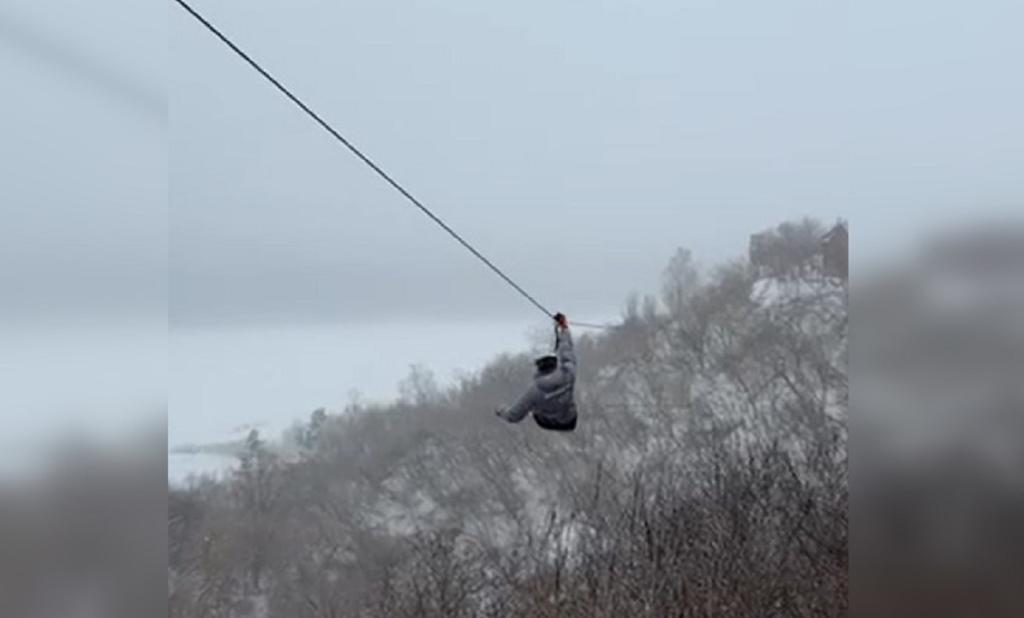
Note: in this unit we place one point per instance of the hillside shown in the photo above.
(707, 476)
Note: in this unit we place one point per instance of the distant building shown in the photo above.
(835, 251)
(761, 254)
(796, 251)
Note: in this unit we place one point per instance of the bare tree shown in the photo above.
(708, 475)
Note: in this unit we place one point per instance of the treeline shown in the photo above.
(707, 477)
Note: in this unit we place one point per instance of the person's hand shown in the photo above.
(561, 320)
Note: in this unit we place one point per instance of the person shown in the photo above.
(551, 397)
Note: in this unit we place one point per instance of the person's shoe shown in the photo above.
(501, 413)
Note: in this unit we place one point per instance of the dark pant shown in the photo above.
(555, 426)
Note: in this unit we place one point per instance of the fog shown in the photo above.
(185, 257)
(579, 147)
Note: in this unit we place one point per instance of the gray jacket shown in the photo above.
(551, 397)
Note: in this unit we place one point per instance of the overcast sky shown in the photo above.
(576, 143)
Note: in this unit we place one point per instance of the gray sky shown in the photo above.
(576, 143)
(83, 162)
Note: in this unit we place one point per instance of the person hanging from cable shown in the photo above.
(551, 397)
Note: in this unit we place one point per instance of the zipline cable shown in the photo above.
(224, 39)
